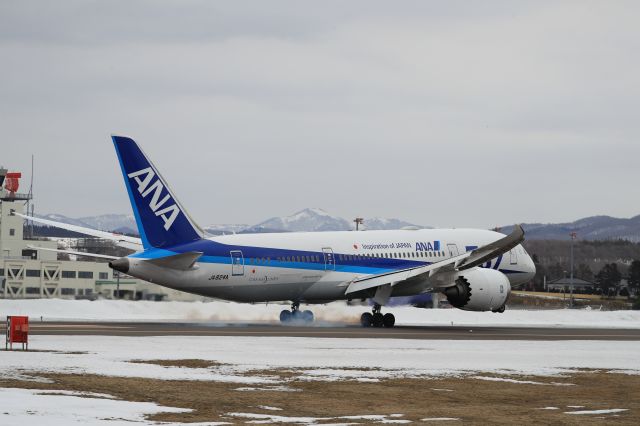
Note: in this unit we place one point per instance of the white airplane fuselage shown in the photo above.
(318, 266)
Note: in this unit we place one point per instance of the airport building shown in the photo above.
(29, 272)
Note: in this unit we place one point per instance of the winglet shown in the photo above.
(495, 249)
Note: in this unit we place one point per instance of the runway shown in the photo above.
(328, 330)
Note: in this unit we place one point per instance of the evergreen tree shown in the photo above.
(556, 271)
(584, 272)
(608, 279)
(633, 278)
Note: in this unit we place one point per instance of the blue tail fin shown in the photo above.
(162, 221)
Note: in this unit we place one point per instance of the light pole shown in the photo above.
(573, 238)
(358, 221)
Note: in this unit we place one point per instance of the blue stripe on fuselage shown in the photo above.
(214, 252)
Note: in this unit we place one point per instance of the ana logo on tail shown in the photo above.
(144, 178)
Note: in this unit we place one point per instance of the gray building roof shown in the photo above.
(567, 281)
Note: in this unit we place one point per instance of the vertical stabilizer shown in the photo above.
(161, 219)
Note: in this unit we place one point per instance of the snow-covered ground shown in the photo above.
(19, 407)
(116, 310)
(314, 358)
(244, 359)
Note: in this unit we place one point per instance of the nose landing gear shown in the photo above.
(376, 319)
(295, 315)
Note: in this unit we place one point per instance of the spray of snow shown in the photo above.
(329, 314)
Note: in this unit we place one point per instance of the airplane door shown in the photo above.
(453, 250)
(329, 259)
(237, 262)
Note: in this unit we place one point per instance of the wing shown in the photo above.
(76, 253)
(457, 263)
(121, 240)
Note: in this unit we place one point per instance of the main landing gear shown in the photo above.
(376, 319)
(295, 315)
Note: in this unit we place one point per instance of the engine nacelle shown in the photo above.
(479, 289)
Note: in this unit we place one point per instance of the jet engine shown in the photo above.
(479, 289)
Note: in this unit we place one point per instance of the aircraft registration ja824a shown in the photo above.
(474, 268)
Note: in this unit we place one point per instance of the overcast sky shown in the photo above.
(440, 113)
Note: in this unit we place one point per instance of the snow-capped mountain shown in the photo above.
(307, 220)
(315, 219)
(107, 222)
(312, 219)
(589, 228)
(380, 223)
(225, 228)
(112, 222)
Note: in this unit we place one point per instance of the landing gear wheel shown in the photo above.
(388, 320)
(296, 316)
(307, 316)
(378, 320)
(366, 319)
(285, 316)
(499, 310)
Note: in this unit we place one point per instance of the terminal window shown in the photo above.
(85, 274)
(103, 275)
(32, 290)
(68, 274)
(67, 291)
(33, 272)
(12, 232)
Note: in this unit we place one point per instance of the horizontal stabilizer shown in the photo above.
(181, 261)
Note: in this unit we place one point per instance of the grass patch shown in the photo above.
(187, 363)
(473, 401)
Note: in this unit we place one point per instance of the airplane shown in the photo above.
(474, 268)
